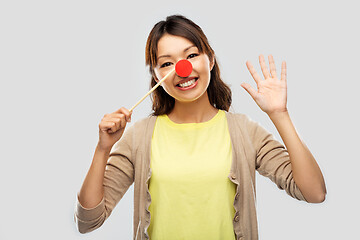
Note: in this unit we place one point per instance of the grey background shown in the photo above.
(64, 64)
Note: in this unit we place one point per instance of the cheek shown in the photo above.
(160, 73)
(166, 87)
(202, 66)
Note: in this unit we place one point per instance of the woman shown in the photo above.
(192, 162)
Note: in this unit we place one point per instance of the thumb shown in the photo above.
(249, 89)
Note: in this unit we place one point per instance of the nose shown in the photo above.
(183, 68)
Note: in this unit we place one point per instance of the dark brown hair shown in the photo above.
(218, 92)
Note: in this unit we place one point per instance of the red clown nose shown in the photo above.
(183, 68)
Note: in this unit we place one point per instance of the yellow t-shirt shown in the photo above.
(191, 194)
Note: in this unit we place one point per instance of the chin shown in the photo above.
(188, 99)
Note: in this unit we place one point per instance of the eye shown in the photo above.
(193, 55)
(165, 64)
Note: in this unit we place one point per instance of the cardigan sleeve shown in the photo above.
(273, 161)
(118, 177)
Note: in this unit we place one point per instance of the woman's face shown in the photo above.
(170, 50)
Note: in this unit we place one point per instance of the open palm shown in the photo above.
(271, 94)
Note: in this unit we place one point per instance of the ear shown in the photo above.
(154, 76)
(212, 63)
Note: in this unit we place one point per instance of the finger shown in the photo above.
(120, 115)
(263, 66)
(283, 71)
(112, 116)
(116, 126)
(116, 115)
(120, 122)
(126, 112)
(123, 122)
(253, 72)
(104, 126)
(272, 66)
(250, 90)
(113, 123)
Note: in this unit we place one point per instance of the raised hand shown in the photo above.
(271, 94)
(112, 127)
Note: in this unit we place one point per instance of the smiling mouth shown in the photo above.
(187, 83)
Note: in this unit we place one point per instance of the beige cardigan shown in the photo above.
(253, 149)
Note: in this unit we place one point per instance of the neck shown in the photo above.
(196, 111)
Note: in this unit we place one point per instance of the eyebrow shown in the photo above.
(162, 56)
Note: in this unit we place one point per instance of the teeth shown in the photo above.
(188, 83)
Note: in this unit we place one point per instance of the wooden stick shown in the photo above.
(151, 90)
